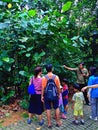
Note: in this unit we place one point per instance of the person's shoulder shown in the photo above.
(92, 76)
(85, 69)
(43, 77)
(75, 94)
(81, 93)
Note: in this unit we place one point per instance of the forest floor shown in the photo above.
(11, 114)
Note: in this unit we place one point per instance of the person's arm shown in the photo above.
(91, 86)
(43, 88)
(57, 82)
(73, 101)
(69, 68)
(86, 74)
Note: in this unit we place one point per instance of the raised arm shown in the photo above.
(91, 86)
(69, 68)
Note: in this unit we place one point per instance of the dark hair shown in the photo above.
(37, 70)
(92, 70)
(96, 72)
(82, 63)
(49, 67)
(76, 86)
(65, 80)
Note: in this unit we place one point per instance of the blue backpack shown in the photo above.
(51, 89)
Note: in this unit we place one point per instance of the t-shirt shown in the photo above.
(65, 92)
(37, 84)
(56, 80)
(94, 91)
(78, 97)
(80, 77)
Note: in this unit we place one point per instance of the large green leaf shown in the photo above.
(8, 60)
(3, 25)
(32, 13)
(66, 6)
(23, 39)
(7, 1)
(30, 48)
(28, 54)
(23, 73)
(22, 46)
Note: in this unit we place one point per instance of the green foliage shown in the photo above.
(5, 99)
(39, 32)
(66, 6)
(24, 104)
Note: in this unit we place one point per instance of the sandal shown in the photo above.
(58, 125)
(50, 127)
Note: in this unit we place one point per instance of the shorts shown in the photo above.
(78, 112)
(50, 104)
(65, 102)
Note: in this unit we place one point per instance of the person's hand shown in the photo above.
(42, 98)
(64, 66)
(84, 75)
(72, 107)
(88, 95)
(83, 89)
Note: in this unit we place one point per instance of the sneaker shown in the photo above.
(63, 116)
(95, 119)
(82, 122)
(29, 121)
(90, 117)
(41, 122)
(75, 123)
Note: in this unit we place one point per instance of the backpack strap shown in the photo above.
(53, 77)
(32, 80)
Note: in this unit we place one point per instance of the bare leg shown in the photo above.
(76, 118)
(66, 108)
(57, 112)
(82, 117)
(40, 117)
(30, 116)
(48, 117)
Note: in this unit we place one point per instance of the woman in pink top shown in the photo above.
(35, 104)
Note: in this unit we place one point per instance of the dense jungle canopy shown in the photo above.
(37, 32)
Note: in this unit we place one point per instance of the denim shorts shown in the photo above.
(50, 104)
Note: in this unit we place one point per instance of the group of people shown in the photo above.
(38, 103)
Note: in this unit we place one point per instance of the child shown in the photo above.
(61, 106)
(78, 100)
(65, 96)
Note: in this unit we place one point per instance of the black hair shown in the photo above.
(65, 80)
(82, 63)
(76, 86)
(49, 67)
(92, 70)
(96, 72)
(37, 70)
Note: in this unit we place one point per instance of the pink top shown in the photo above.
(65, 90)
(37, 84)
(65, 87)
